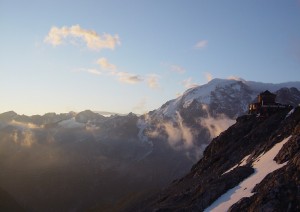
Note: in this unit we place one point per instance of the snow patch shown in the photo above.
(263, 165)
(202, 93)
(243, 162)
(187, 103)
(290, 113)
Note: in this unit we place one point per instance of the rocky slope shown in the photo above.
(239, 156)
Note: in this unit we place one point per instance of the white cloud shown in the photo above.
(152, 81)
(235, 78)
(208, 76)
(89, 70)
(201, 44)
(177, 69)
(188, 83)
(179, 135)
(104, 64)
(128, 77)
(123, 77)
(215, 125)
(93, 71)
(56, 36)
(109, 69)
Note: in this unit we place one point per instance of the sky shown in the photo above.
(134, 55)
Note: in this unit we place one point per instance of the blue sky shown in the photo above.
(134, 55)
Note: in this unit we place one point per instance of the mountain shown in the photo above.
(190, 121)
(252, 166)
(79, 161)
(225, 96)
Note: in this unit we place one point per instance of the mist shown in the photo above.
(215, 125)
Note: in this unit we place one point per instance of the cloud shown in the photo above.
(208, 76)
(128, 77)
(89, 70)
(123, 77)
(23, 126)
(235, 78)
(25, 137)
(93, 71)
(215, 125)
(179, 136)
(177, 69)
(109, 69)
(201, 44)
(57, 36)
(104, 64)
(188, 83)
(152, 81)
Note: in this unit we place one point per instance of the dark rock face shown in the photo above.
(231, 100)
(208, 179)
(289, 96)
(280, 190)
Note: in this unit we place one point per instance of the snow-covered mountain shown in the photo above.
(80, 155)
(221, 94)
(189, 122)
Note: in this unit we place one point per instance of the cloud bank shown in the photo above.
(57, 36)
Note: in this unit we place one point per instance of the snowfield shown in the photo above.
(263, 165)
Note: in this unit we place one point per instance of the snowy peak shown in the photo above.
(202, 93)
(221, 95)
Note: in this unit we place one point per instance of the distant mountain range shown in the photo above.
(111, 161)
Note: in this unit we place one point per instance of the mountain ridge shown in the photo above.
(215, 174)
(90, 148)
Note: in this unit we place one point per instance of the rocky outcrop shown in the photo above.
(289, 96)
(211, 176)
